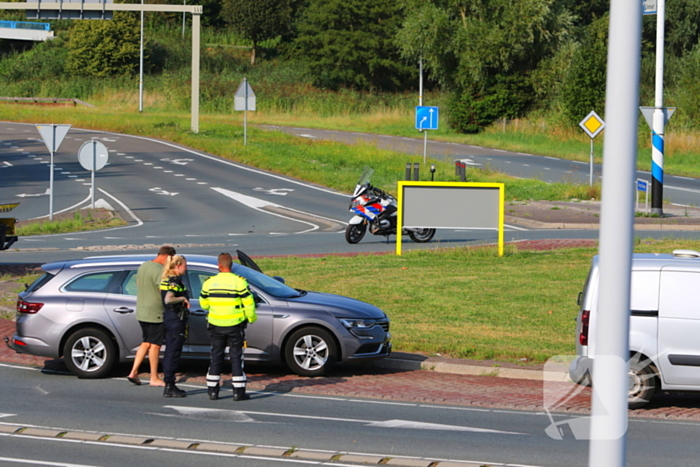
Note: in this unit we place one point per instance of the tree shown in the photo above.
(485, 49)
(349, 43)
(258, 20)
(104, 48)
(583, 89)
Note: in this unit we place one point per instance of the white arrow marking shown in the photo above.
(7, 164)
(237, 415)
(159, 191)
(274, 191)
(306, 135)
(4, 415)
(258, 204)
(435, 426)
(177, 161)
(30, 195)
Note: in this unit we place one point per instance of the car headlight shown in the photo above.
(355, 323)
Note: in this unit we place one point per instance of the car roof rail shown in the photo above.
(686, 254)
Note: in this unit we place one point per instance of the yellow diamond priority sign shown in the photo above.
(592, 124)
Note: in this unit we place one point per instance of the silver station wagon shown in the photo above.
(85, 311)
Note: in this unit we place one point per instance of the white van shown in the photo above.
(664, 335)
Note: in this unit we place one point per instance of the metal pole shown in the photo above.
(184, 2)
(53, 144)
(425, 146)
(141, 66)
(608, 433)
(658, 119)
(245, 112)
(420, 81)
(195, 72)
(94, 165)
(590, 175)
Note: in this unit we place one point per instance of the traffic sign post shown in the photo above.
(426, 119)
(643, 186)
(93, 155)
(244, 100)
(657, 118)
(53, 137)
(592, 125)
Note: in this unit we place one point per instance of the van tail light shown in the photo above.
(583, 336)
(28, 307)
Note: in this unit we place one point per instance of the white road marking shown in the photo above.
(218, 413)
(31, 195)
(148, 163)
(159, 191)
(7, 164)
(190, 179)
(547, 168)
(525, 165)
(39, 462)
(177, 161)
(157, 167)
(259, 204)
(690, 190)
(274, 191)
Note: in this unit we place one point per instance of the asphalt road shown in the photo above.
(284, 420)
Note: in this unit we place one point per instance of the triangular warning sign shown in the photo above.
(53, 135)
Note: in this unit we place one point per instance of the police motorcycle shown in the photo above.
(376, 209)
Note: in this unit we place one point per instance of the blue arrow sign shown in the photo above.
(427, 118)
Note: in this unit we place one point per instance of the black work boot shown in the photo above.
(173, 391)
(240, 395)
(213, 393)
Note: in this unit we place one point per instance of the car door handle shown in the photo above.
(123, 310)
(199, 313)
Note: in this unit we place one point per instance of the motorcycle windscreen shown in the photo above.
(366, 176)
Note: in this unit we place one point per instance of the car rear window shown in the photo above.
(40, 281)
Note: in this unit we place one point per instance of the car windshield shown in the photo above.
(266, 283)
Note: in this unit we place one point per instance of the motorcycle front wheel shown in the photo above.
(355, 232)
(421, 235)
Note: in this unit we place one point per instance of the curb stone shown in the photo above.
(184, 445)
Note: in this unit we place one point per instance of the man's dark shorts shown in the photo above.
(153, 333)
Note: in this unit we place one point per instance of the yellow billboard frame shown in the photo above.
(501, 205)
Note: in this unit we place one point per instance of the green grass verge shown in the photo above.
(465, 303)
(77, 223)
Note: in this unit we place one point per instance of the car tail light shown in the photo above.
(583, 336)
(28, 307)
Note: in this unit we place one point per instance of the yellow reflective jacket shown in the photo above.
(228, 299)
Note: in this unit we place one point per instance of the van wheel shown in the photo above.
(89, 353)
(643, 382)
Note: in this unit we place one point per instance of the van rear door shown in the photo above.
(679, 326)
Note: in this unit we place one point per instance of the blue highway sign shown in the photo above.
(427, 118)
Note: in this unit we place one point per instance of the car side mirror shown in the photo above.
(278, 278)
(579, 299)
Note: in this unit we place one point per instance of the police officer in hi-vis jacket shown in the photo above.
(231, 307)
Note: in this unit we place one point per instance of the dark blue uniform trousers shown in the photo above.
(233, 337)
(175, 330)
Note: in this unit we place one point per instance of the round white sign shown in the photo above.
(93, 155)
